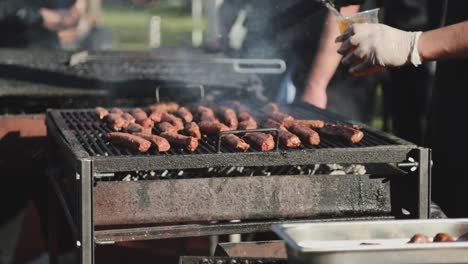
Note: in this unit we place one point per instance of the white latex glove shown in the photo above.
(378, 45)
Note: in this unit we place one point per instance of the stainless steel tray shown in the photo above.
(385, 241)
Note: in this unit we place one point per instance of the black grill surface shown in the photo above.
(84, 127)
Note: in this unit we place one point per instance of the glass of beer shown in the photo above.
(369, 16)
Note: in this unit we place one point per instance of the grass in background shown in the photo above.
(129, 26)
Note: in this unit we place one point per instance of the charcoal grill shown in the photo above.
(103, 209)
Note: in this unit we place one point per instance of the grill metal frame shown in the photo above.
(84, 168)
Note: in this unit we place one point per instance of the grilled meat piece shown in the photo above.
(306, 134)
(169, 107)
(129, 141)
(212, 128)
(229, 117)
(249, 124)
(156, 116)
(159, 143)
(419, 238)
(235, 142)
(270, 108)
(245, 116)
(314, 124)
(137, 128)
(166, 127)
(286, 138)
(101, 112)
(116, 121)
(193, 130)
(189, 143)
(128, 117)
(117, 110)
(279, 116)
(185, 114)
(175, 121)
(264, 142)
(142, 118)
(443, 237)
(347, 133)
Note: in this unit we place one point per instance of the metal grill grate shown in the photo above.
(90, 131)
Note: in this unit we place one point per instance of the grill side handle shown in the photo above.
(270, 130)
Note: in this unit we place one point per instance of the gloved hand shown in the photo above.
(368, 45)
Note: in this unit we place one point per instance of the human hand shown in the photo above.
(369, 45)
(59, 19)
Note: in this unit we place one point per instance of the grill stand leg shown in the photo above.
(86, 245)
(52, 213)
(424, 183)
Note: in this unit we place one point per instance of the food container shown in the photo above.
(374, 241)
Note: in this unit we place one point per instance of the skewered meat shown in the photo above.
(306, 134)
(189, 143)
(193, 130)
(101, 112)
(264, 142)
(185, 114)
(235, 142)
(159, 143)
(347, 133)
(129, 141)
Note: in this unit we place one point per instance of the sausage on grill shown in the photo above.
(101, 112)
(175, 121)
(142, 118)
(193, 130)
(249, 124)
(185, 114)
(245, 116)
(116, 121)
(306, 134)
(159, 143)
(166, 127)
(156, 116)
(208, 117)
(128, 117)
(137, 128)
(229, 117)
(212, 128)
(279, 116)
(235, 142)
(419, 238)
(116, 110)
(443, 237)
(347, 133)
(264, 142)
(285, 137)
(314, 124)
(189, 143)
(169, 107)
(129, 141)
(270, 108)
